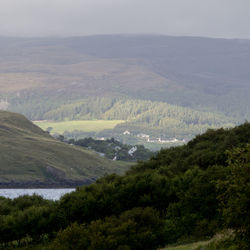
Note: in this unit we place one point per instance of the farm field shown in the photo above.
(83, 125)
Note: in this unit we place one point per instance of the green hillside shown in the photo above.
(29, 154)
(151, 118)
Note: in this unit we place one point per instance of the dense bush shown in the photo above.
(138, 229)
(26, 216)
(234, 193)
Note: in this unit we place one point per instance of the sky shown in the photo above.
(209, 18)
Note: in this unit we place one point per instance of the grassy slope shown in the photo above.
(26, 151)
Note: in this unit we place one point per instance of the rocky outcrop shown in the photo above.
(55, 173)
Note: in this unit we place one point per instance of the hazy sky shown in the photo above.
(212, 18)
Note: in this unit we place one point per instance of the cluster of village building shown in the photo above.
(149, 138)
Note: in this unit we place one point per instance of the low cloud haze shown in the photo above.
(211, 18)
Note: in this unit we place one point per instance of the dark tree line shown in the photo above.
(113, 149)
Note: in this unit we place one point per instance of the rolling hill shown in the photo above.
(29, 156)
(144, 121)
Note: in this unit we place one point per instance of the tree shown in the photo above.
(234, 192)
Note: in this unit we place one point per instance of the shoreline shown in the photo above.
(66, 184)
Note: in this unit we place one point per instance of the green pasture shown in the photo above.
(83, 125)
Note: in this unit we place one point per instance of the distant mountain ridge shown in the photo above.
(212, 68)
(41, 75)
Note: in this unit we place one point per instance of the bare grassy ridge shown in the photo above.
(28, 153)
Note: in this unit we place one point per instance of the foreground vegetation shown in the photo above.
(185, 193)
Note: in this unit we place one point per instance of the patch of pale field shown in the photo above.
(191, 246)
(82, 125)
(201, 244)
